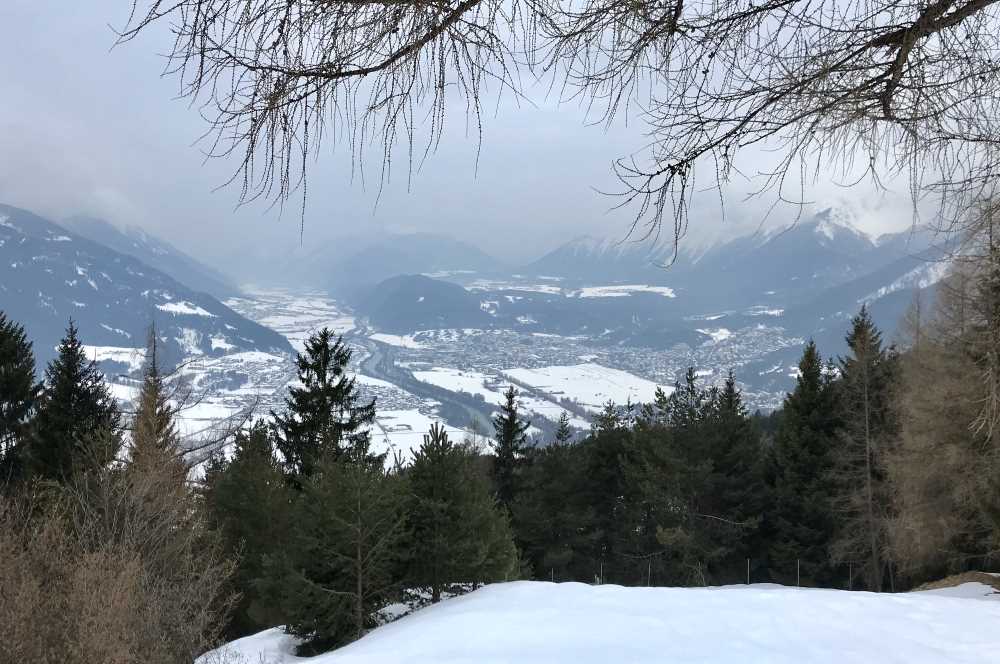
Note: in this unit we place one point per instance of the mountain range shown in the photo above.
(50, 274)
(807, 280)
(156, 253)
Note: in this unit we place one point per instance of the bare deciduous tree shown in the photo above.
(944, 471)
(887, 88)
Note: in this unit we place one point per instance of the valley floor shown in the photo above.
(544, 623)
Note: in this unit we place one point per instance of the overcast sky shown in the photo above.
(87, 129)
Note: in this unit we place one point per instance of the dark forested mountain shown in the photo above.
(49, 274)
(156, 253)
(407, 302)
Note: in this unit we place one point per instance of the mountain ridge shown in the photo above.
(49, 275)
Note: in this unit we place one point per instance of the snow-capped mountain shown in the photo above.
(594, 260)
(786, 265)
(49, 274)
(155, 252)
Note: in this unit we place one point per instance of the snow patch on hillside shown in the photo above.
(922, 276)
(185, 308)
(133, 357)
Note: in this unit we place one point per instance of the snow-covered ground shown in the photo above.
(132, 357)
(591, 385)
(293, 314)
(396, 340)
(573, 623)
(402, 431)
(623, 290)
(491, 388)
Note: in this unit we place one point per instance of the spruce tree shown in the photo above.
(736, 493)
(247, 502)
(801, 523)
(509, 446)
(457, 535)
(606, 450)
(564, 433)
(340, 566)
(551, 522)
(18, 395)
(325, 416)
(869, 429)
(78, 425)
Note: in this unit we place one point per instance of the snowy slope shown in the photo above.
(543, 623)
(49, 274)
(156, 253)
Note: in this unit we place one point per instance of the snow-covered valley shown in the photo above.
(456, 376)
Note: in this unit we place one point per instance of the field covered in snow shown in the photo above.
(591, 385)
(491, 389)
(402, 431)
(292, 314)
(573, 623)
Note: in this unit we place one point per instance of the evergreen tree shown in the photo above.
(551, 522)
(457, 534)
(801, 524)
(606, 493)
(18, 395)
(509, 447)
(75, 408)
(564, 433)
(736, 492)
(340, 568)
(248, 502)
(155, 441)
(325, 416)
(868, 430)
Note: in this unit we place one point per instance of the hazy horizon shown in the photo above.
(101, 133)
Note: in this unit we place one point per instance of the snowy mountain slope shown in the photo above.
(49, 275)
(545, 623)
(156, 253)
(786, 264)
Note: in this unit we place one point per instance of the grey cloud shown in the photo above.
(88, 129)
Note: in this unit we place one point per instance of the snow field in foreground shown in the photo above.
(543, 623)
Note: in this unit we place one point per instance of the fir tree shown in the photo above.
(736, 493)
(509, 446)
(325, 416)
(606, 490)
(456, 533)
(18, 395)
(340, 568)
(869, 429)
(801, 523)
(75, 409)
(551, 522)
(564, 433)
(247, 502)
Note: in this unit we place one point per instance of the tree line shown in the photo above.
(879, 472)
